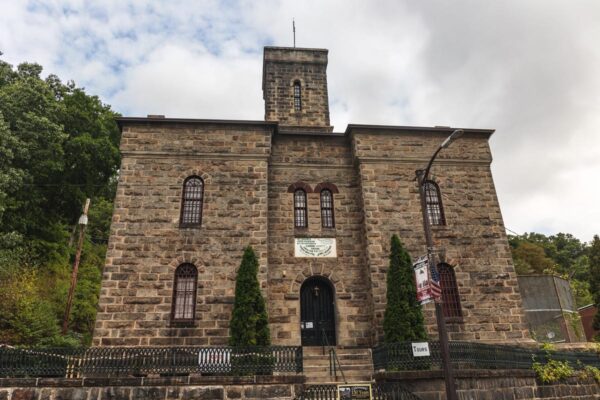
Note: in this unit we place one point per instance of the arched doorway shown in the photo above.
(317, 315)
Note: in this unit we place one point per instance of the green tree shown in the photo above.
(403, 318)
(249, 322)
(594, 257)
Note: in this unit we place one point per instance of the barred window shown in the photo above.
(184, 293)
(327, 220)
(300, 209)
(433, 199)
(191, 201)
(297, 96)
(450, 297)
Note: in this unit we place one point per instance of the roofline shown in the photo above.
(437, 129)
(295, 48)
(121, 121)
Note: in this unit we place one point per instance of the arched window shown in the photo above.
(300, 209)
(184, 293)
(450, 297)
(297, 96)
(191, 201)
(433, 199)
(327, 220)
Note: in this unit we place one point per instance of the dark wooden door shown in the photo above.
(317, 317)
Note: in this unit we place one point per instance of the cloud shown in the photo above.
(527, 69)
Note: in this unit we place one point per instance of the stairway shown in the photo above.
(356, 364)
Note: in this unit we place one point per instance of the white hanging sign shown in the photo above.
(315, 247)
(420, 349)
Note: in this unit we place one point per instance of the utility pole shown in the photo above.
(83, 220)
(422, 176)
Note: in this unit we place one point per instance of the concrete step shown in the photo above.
(355, 362)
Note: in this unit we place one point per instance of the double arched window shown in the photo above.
(450, 297)
(433, 199)
(300, 209)
(327, 220)
(191, 202)
(184, 293)
(297, 96)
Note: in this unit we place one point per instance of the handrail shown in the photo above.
(335, 357)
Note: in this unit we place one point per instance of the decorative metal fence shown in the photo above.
(142, 361)
(386, 391)
(399, 357)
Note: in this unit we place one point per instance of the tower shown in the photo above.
(295, 88)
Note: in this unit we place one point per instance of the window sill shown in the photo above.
(454, 320)
(190, 226)
(182, 324)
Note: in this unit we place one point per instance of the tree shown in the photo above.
(403, 318)
(249, 321)
(594, 257)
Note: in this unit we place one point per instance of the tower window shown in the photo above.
(450, 297)
(297, 96)
(184, 293)
(433, 199)
(300, 209)
(327, 220)
(191, 201)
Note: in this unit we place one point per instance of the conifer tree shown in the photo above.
(249, 321)
(403, 318)
(594, 257)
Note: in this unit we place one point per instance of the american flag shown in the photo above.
(434, 282)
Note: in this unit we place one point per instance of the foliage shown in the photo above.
(560, 254)
(552, 370)
(594, 258)
(403, 320)
(249, 322)
(58, 145)
(590, 372)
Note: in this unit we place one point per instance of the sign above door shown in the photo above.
(315, 247)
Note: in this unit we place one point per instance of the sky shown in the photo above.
(530, 69)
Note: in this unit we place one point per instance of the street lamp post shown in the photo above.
(422, 176)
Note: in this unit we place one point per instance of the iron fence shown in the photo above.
(399, 357)
(143, 361)
(384, 391)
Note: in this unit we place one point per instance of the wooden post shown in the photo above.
(82, 225)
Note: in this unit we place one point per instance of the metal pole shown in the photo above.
(439, 315)
(82, 225)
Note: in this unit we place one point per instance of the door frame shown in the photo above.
(326, 282)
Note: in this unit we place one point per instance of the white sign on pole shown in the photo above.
(421, 270)
(420, 349)
(315, 247)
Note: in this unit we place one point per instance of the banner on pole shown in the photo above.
(422, 281)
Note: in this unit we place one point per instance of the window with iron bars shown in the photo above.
(191, 202)
(300, 209)
(433, 199)
(450, 296)
(184, 293)
(327, 220)
(297, 96)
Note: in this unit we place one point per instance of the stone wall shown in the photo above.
(325, 159)
(473, 241)
(185, 388)
(493, 385)
(147, 243)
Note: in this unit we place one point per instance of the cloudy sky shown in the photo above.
(528, 68)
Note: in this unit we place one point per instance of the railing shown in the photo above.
(399, 356)
(142, 361)
(387, 391)
(333, 358)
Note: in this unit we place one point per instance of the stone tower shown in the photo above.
(295, 88)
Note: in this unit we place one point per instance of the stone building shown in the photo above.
(318, 206)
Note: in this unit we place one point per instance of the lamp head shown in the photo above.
(455, 135)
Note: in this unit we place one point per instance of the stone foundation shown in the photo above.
(184, 387)
(492, 385)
